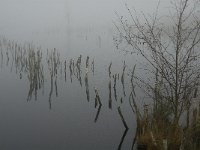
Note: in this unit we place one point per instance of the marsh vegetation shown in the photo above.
(138, 89)
(40, 67)
(170, 55)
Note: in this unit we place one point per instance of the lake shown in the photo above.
(63, 82)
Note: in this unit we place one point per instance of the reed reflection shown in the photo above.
(29, 63)
(122, 139)
(110, 95)
(97, 103)
(53, 61)
(65, 70)
(27, 60)
(35, 74)
(109, 87)
(78, 70)
(71, 68)
(122, 78)
(114, 87)
(87, 87)
(86, 79)
(126, 128)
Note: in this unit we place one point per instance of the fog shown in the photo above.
(28, 16)
(42, 41)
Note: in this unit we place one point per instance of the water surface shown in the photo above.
(53, 65)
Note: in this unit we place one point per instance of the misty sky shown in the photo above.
(29, 13)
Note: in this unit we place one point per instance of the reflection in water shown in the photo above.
(92, 67)
(110, 95)
(78, 70)
(126, 128)
(122, 78)
(122, 139)
(114, 87)
(34, 69)
(132, 76)
(97, 102)
(87, 62)
(109, 87)
(122, 118)
(28, 61)
(53, 61)
(121, 100)
(51, 91)
(97, 98)
(71, 68)
(109, 69)
(134, 139)
(86, 79)
(87, 87)
(65, 70)
(97, 114)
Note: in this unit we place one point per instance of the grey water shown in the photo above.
(55, 57)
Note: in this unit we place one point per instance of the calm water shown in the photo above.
(51, 74)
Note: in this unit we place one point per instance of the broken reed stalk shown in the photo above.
(78, 69)
(121, 100)
(80, 80)
(97, 98)
(97, 115)
(122, 78)
(109, 69)
(122, 118)
(123, 72)
(87, 62)
(65, 70)
(73, 65)
(71, 69)
(114, 87)
(92, 66)
(78, 63)
(87, 87)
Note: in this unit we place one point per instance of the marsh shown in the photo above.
(63, 82)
